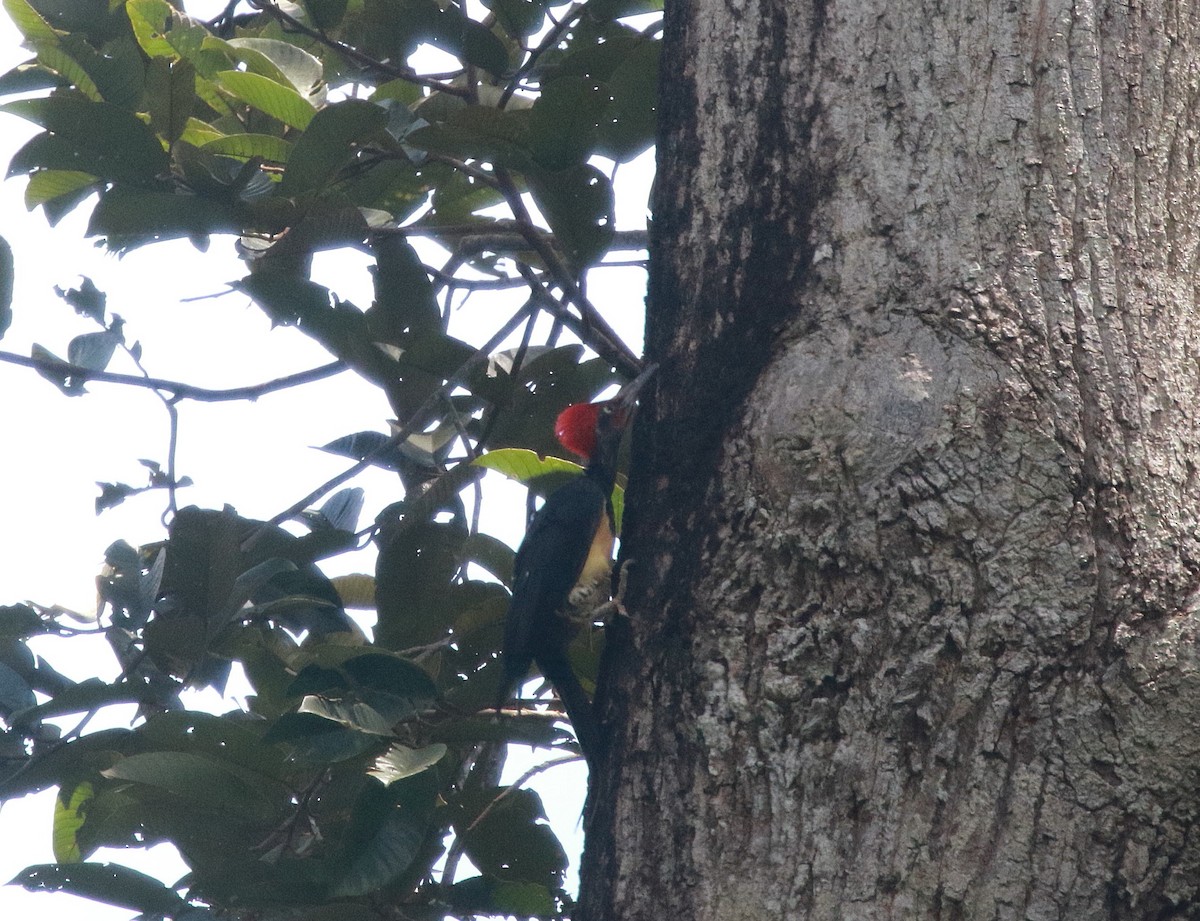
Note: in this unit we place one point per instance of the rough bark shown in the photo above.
(914, 615)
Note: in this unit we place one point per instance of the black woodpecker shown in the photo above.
(566, 559)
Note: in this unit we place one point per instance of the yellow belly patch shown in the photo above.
(597, 568)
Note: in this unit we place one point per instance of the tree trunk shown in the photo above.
(914, 613)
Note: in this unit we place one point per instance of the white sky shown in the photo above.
(56, 448)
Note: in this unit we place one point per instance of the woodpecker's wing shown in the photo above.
(548, 565)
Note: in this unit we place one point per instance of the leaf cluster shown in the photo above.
(271, 124)
(355, 765)
(365, 765)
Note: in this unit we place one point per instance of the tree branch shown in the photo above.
(504, 236)
(292, 24)
(549, 41)
(181, 391)
(592, 330)
(596, 330)
(415, 422)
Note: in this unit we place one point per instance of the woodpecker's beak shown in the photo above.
(627, 396)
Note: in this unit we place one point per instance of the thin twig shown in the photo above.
(470, 169)
(595, 326)
(172, 431)
(516, 785)
(506, 234)
(610, 348)
(179, 390)
(550, 40)
(292, 24)
(416, 421)
(445, 279)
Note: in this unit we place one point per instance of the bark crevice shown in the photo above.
(915, 628)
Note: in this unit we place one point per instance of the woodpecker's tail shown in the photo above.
(557, 670)
(513, 674)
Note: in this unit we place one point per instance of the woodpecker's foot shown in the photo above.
(618, 600)
(615, 606)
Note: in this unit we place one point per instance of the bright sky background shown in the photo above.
(257, 457)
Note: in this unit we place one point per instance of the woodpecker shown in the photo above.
(566, 558)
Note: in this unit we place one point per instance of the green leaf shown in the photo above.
(564, 121)
(245, 146)
(457, 199)
(485, 895)
(400, 761)
(118, 72)
(66, 762)
(113, 819)
(401, 90)
(229, 738)
(329, 142)
(528, 467)
(97, 18)
(523, 465)
(510, 840)
(412, 580)
(578, 204)
(164, 32)
(29, 21)
(370, 692)
(276, 100)
(203, 562)
(326, 14)
(15, 692)
(313, 738)
(348, 712)
(281, 62)
(90, 694)
(481, 132)
(212, 565)
(44, 151)
(56, 209)
(103, 882)
(88, 301)
(463, 37)
(6, 286)
(388, 830)
(242, 795)
(342, 509)
(248, 583)
(493, 555)
(103, 139)
(170, 96)
(28, 78)
(114, 76)
(631, 120)
(129, 218)
(48, 184)
(198, 133)
(20, 620)
(405, 303)
(597, 49)
(518, 17)
(397, 675)
(51, 54)
(93, 350)
(69, 816)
